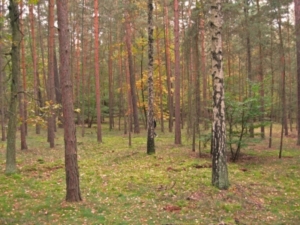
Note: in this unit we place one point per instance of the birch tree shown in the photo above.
(219, 164)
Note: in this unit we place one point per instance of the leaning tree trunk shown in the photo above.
(71, 165)
(219, 164)
(12, 113)
(150, 120)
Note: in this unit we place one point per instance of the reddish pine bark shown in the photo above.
(71, 166)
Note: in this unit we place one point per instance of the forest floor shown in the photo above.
(124, 185)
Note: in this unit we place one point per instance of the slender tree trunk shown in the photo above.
(150, 139)
(132, 75)
(168, 67)
(219, 164)
(297, 28)
(97, 75)
(12, 113)
(110, 82)
(249, 59)
(34, 64)
(2, 77)
(261, 75)
(162, 126)
(71, 165)
(177, 74)
(83, 72)
(51, 93)
(203, 71)
(22, 89)
(128, 126)
(272, 90)
(283, 75)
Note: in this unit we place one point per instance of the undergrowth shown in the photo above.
(124, 185)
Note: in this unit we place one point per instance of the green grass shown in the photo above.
(124, 185)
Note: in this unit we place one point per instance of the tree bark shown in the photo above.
(71, 165)
(168, 67)
(97, 75)
(22, 90)
(150, 120)
(34, 64)
(51, 92)
(219, 162)
(261, 74)
(12, 113)
(297, 29)
(2, 77)
(132, 75)
(177, 74)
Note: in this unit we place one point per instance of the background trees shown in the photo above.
(257, 36)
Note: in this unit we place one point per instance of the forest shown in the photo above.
(150, 112)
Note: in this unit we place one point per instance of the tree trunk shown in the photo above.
(168, 67)
(2, 77)
(110, 82)
(150, 120)
(249, 59)
(71, 165)
(22, 90)
(162, 126)
(297, 28)
(219, 163)
(97, 75)
(177, 74)
(12, 112)
(132, 75)
(261, 75)
(283, 71)
(34, 64)
(51, 92)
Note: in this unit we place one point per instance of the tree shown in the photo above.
(22, 90)
(131, 73)
(168, 66)
(177, 74)
(219, 164)
(2, 74)
(297, 27)
(71, 165)
(12, 113)
(97, 76)
(51, 91)
(150, 139)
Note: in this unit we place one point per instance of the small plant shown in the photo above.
(239, 116)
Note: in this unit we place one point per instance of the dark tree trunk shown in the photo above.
(150, 120)
(71, 165)
(12, 113)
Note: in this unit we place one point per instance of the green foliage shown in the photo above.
(240, 116)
